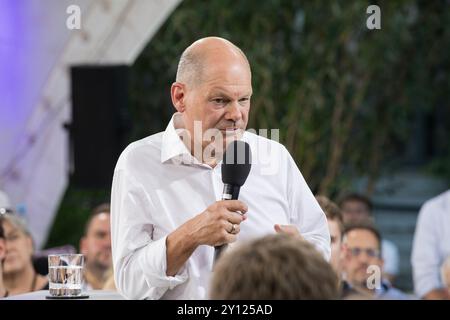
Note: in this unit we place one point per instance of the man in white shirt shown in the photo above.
(431, 247)
(166, 216)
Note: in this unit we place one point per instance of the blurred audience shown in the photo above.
(431, 246)
(358, 208)
(445, 274)
(277, 266)
(95, 245)
(3, 291)
(19, 275)
(363, 264)
(336, 226)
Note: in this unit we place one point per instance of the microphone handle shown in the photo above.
(230, 192)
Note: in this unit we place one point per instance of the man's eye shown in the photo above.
(219, 101)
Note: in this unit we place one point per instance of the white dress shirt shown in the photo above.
(158, 185)
(431, 244)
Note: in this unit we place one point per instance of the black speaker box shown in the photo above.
(100, 123)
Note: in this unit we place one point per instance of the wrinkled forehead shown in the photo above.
(100, 221)
(233, 68)
(355, 205)
(362, 239)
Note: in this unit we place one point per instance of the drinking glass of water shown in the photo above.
(65, 274)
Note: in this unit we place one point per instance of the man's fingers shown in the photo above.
(289, 229)
(277, 228)
(234, 217)
(234, 228)
(235, 205)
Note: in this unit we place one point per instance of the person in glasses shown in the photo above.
(355, 208)
(19, 275)
(363, 264)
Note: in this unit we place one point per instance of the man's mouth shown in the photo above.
(230, 130)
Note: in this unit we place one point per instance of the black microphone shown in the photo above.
(236, 166)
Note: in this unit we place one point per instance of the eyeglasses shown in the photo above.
(5, 211)
(373, 253)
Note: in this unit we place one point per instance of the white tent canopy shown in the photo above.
(36, 52)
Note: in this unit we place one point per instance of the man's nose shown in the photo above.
(233, 112)
(363, 257)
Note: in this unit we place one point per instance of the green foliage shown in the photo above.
(72, 215)
(344, 97)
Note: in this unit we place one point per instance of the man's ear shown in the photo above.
(177, 93)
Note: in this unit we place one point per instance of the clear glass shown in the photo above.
(65, 275)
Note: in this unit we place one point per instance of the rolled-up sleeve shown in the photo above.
(306, 213)
(425, 256)
(139, 260)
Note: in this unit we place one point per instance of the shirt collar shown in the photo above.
(172, 146)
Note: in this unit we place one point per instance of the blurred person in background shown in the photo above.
(336, 226)
(19, 275)
(3, 291)
(95, 245)
(279, 266)
(431, 247)
(358, 208)
(445, 274)
(362, 259)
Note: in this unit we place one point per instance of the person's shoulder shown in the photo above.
(148, 148)
(397, 294)
(437, 205)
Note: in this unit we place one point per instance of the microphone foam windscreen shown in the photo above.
(236, 163)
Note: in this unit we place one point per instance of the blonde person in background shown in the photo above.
(19, 275)
(3, 291)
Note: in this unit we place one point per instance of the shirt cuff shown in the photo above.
(153, 263)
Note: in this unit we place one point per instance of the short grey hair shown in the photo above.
(190, 67)
(192, 63)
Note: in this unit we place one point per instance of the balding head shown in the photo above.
(202, 53)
